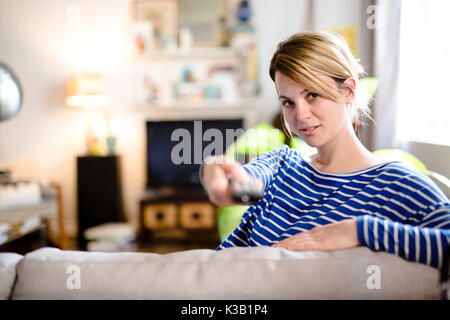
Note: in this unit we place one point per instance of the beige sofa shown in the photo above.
(236, 273)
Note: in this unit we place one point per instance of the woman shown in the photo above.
(341, 197)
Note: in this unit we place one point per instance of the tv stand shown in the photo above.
(174, 214)
(167, 191)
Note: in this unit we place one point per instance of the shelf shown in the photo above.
(246, 103)
(193, 53)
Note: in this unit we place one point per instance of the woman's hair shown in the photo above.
(305, 54)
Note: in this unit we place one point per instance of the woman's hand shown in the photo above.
(216, 171)
(341, 235)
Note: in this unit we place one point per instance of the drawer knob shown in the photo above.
(196, 215)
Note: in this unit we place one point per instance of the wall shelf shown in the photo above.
(193, 53)
(211, 105)
(244, 108)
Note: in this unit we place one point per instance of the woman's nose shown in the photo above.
(302, 111)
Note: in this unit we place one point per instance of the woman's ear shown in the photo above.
(349, 86)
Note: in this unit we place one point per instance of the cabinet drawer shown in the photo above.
(160, 216)
(197, 215)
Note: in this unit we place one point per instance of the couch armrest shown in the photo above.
(8, 263)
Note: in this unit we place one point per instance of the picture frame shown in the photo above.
(162, 19)
(205, 19)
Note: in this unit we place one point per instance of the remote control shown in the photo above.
(246, 192)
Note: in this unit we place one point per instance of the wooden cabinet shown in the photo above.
(186, 217)
(160, 216)
(197, 215)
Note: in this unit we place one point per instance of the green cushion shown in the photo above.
(228, 219)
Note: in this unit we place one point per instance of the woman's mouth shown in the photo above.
(309, 131)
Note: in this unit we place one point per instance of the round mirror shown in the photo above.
(10, 93)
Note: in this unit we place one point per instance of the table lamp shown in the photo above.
(88, 90)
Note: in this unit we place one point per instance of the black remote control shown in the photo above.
(246, 192)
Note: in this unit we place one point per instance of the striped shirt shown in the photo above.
(397, 209)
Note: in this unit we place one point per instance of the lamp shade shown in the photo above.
(87, 90)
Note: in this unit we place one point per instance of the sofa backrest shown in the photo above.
(8, 263)
(235, 273)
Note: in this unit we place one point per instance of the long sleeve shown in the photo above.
(266, 166)
(424, 243)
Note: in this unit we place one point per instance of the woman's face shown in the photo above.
(315, 119)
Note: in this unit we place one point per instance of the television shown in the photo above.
(176, 149)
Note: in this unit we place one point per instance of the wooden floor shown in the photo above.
(33, 242)
(161, 246)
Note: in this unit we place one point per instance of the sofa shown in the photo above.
(239, 273)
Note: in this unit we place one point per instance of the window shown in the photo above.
(424, 72)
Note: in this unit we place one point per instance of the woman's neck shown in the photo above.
(343, 155)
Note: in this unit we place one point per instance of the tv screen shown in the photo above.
(176, 149)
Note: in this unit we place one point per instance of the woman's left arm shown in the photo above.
(425, 243)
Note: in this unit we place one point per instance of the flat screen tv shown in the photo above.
(176, 149)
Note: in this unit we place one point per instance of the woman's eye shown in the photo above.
(287, 104)
(312, 95)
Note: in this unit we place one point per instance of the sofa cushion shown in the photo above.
(8, 263)
(234, 273)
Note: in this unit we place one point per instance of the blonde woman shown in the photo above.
(341, 197)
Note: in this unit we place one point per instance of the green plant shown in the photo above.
(256, 140)
(228, 219)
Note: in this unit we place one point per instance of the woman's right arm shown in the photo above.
(215, 171)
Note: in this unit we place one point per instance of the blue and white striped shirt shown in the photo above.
(397, 209)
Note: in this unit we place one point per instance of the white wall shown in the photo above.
(37, 43)
(329, 13)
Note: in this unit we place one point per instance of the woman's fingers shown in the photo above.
(299, 244)
(235, 171)
(217, 184)
(306, 240)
